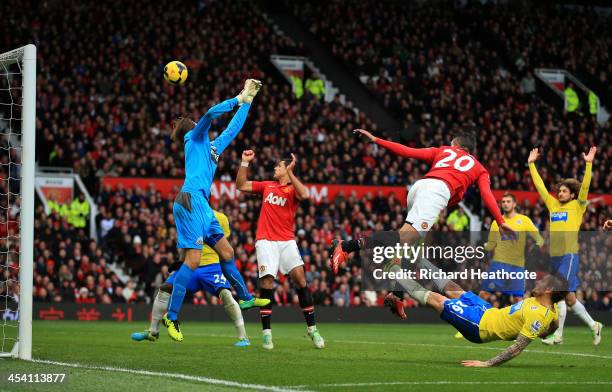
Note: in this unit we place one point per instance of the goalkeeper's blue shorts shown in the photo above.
(207, 277)
(195, 221)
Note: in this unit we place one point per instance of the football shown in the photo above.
(175, 72)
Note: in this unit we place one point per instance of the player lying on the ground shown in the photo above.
(566, 212)
(479, 322)
(453, 171)
(208, 277)
(275, 240)
(194, 218)
(508, 255)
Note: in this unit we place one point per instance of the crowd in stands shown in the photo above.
(137, 234)
(440, 67)
(104, 110)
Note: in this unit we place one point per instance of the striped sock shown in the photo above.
(265, 312)
(307, 305)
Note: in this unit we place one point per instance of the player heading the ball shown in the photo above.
(453, 170)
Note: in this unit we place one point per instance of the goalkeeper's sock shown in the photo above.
(265, 312)
(233, 311)
(579, 310)
(414, 289)
(179, 288)
(160, 305)
(562, 308)
(235, 278)
(307, 305)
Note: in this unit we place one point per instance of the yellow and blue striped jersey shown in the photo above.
(209, 256)
(508, 251)
(565, 219)
(527, 317)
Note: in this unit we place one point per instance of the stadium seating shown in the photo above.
(104, 110)
(441, 67)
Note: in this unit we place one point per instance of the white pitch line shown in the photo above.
(471, 347)
(376, 384)
(205, 380)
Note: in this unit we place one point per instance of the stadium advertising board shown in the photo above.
(227, 189)
(319, 192)
(55, 188)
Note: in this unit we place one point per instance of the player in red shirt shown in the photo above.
(275, 244)
(453, 170)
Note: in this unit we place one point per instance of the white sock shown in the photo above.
(562, 308)
(311, 328)
(234, 313)
(580, 311)
(160, 306)
(267, 332)
(426, 264)
(414, 289)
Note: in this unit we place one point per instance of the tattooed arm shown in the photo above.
(515, 349)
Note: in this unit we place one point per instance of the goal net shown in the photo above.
(17, 134)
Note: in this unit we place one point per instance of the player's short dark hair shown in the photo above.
(510, 195)
(181, 126)
(570, 183)
(286, 160)
(466, 140)
(559, 286)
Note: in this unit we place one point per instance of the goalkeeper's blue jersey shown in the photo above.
(202, 154)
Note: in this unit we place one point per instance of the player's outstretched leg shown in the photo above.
(341, 250)
(246, 299)
(233, 311)
(557, 336)
(160, 305)
(412, 287)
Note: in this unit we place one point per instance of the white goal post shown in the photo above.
(17, 125)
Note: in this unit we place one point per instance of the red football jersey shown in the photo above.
(277, 216)
(457, 168)
(453, 165)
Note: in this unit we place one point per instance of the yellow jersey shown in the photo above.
(527, 317)
(209, 256)
(566, 218)
(508, 251)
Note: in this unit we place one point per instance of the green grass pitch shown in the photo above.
(357, 357)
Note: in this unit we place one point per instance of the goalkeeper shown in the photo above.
(209, 277)
(193, 216)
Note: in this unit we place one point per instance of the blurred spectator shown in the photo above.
(458, 220)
